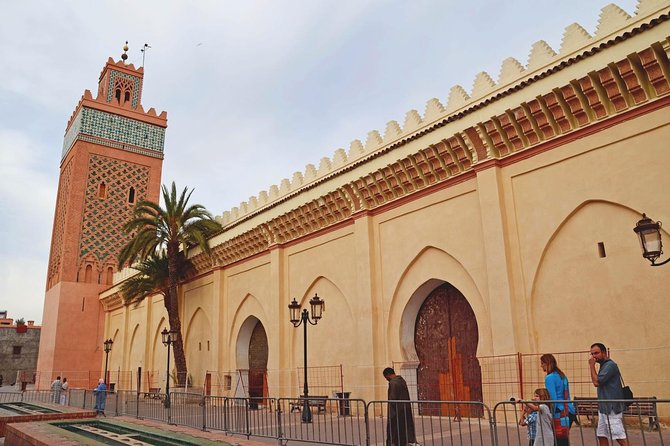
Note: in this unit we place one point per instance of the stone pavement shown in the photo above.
(46, 434)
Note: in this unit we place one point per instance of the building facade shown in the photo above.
(19, 345)
(112, 158)
(497, 225)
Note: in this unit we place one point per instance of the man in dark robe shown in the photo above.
(400, 424)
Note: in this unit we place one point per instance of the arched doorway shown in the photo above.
(258, 365)
(445, 338)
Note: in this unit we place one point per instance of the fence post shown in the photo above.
(492, 428)
(204, 413)
(366, 416)
(225, 414)
(247, 417)
(520, 371)
(116, 409)
(280, 432)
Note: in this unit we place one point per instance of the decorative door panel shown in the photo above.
(446, 337)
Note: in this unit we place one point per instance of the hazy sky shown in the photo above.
(254, 90)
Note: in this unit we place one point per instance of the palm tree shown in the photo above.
(155, 230)
(152, 277)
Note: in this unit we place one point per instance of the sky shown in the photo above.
(255, 90)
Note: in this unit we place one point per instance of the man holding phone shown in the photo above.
(608, 381)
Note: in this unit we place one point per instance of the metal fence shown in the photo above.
(350, 422)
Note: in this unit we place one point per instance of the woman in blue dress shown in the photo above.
(556, 383)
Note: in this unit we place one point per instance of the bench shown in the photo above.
(154, 392)
(641, 407)
(318, 401)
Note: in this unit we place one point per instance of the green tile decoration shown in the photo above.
(115, 131)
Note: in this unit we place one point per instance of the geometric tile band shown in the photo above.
(116, 129)
(105, 215)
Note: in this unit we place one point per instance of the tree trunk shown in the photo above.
(172, 307)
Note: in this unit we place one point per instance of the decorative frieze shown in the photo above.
(115, 131)
(607, 92)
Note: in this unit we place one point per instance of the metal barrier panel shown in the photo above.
(640, 421)
(236, 417)
(152, 406)
(127, 403)
(42, 396)
(76, 397)
(215, 413)
(429, 423)
(186, 409)
(11, 397)
(334, 421)
(262, 416)
(89, 401)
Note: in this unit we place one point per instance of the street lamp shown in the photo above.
(108, 348)
(297, 319)
(169, 338)
(649, 233)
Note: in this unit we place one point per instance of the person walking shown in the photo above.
(556, 383)
(56, 389)
(100, 397)
(400, 425)
(607, 380)
(64, 395)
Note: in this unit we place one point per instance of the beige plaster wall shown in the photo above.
(518, 236)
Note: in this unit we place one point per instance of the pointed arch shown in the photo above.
(197, 337)
(116, 352)
(430, 268)
(250, 305)
(155, 375)
(135, 345)
(338, 317)
(628, 289)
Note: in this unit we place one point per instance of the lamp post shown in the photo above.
(649, 233)
(108, 348)
(298, 319)
(169, 338)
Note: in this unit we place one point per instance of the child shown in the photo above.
(538, 419)
(529, 419)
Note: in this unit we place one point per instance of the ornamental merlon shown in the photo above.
(150, 116)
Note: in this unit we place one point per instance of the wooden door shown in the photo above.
(258, 363)
(446, 337)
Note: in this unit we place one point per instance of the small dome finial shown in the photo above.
(124, 56)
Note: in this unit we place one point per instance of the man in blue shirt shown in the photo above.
(608, 381)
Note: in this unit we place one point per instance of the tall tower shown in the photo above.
(112, 158)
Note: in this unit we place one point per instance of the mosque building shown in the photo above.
(456, 246)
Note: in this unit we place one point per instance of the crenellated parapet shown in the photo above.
(582, 97)
(509, 131)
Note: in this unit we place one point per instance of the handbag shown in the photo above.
(562, 430)
(627, 393)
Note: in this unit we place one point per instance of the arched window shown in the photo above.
(110, 276)
(102, 190)
(88, 275)
(124, 90)
(131, 195)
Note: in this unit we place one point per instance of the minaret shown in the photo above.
(112, 158)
